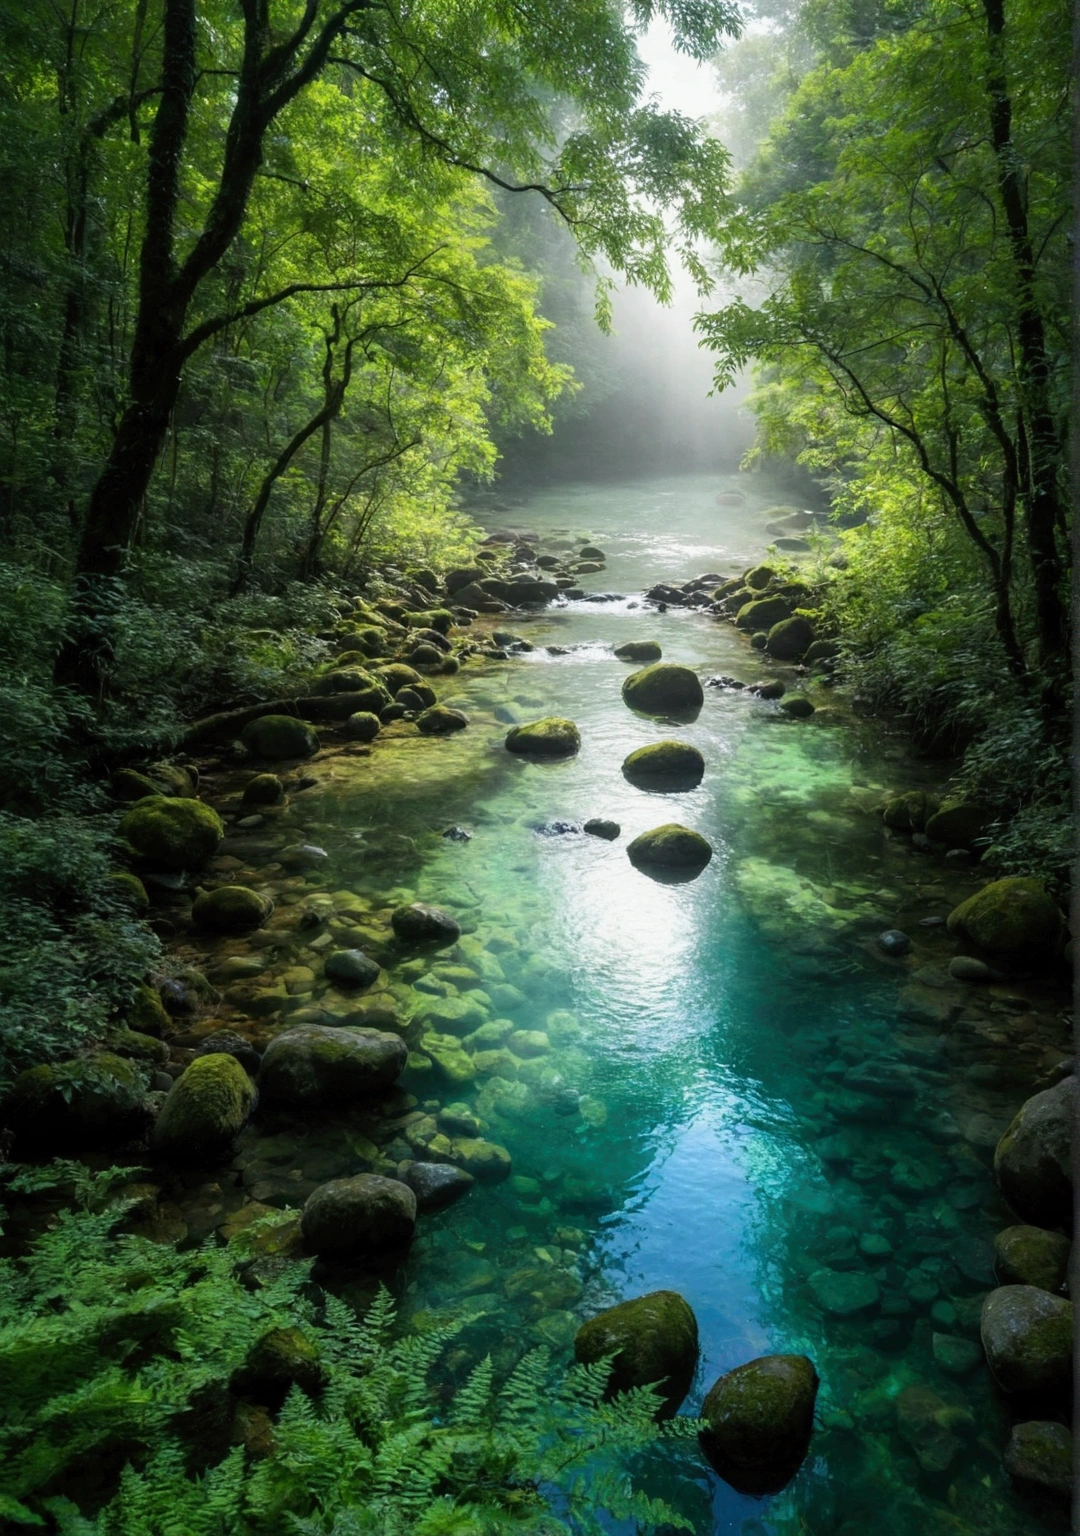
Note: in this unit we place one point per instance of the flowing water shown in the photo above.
(678, 1100)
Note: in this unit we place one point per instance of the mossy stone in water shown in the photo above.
(396, 675)
(552, 736)
(762, 613)
(790, 638)
(425, 655)
(957, 824)
(85, 1103)
(371, 640)
(797, 705)
(639, 650)
(129, 890)
(418, 923)
(316, 1065)
(759, 640)
(663, 688)
(151, 1050)
(343, 680)
(1027, 1336)
(485, 1160)
(909, 812)
(665, 765)
(130, 784)
(1013, 917)
(173, 833)
(670, 847)
(1040, 1456)
(758, 579)
(759, 1419)
(207, 1108)
(362, 726)
(366, 1218)
(263, 789)
(441, 721)
(1032, 1256)
(654, 1341)
(146, 1012)
(279, 736)
(231, 909)
(1032, 1161)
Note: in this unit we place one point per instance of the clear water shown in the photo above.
(688, 1127)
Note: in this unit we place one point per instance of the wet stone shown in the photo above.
(844, 1293)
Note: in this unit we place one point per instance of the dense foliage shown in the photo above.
(905, 220)
(129, 1374)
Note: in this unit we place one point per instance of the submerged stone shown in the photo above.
(317, 1065)
(437, 1185)
(597, 826)
(440, 721)
(1039, 1456)
(351, 968)
(552, 736)
(654, 1341)
(263, 789)
(758, 1422)
(842, 1293)
(231, 909)
(418, 923)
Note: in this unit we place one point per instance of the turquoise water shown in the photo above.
(689, 1121)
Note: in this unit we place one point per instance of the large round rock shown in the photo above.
(437, 1185)
(231, 909)
(551, 737)
(665, 766)
(1027, 1336)
(790, 638)
(365, 1218)
(1032, 1160)
(654, 1340)
(1013, 918)
(1039, 1455)
(663, 688)
(315, 1065)
(1032, 1256)
(670, 847)
(350, 968)
(420, 924)
(173, 833)
(758, 1422)
(207, 1107)
(279, 736)
(639, 650)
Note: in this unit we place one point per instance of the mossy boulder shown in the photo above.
(552, 736)
(665, 765)
(670, 847)
(86, 1103)
(361, 726)
(422, 576)
(418, 923)
(367, 1218)
(797, 706)
(351, 968)
(1013, 918)
(1032, 1256)
(1027, 1336)
(910, 811)
(130, 784)
(654, 1341)
(396, 675)
(441, 721)
(758, 1422)
(279, 736)
(151, 1050)
(172, 833)
(231, 909)
(315, 1066)
(1039, 1456)
(281, 1359)
(762, 613)
(958, 824)
(486, 1161)
(426, 655)
(207, 1108)
(129, 890)
(639, 650)
(663, 688)
(343, 680)
(790, 639)
(263, 789)
(1032, 1161)
(146, 1012)
(759, 578)
(371, 640)
(822, 650)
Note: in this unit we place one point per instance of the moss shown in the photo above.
(789, 639)
(263, 789)
(665, 765)
(758, 1421)
(639, 650)
(762, 613)
(83, 1103)
(553, 736)
(361, 726)
(149, 1049)
(759, 578)
(129, 890)
(440, 721)
(422, 576)
(343, 680)
(208, 1106)
(1032, 1256)
(279, 736)
(396, 675)
(146, 1013)
(910, 811)
(663, 688)
(130, 784)
(174, 833)
(372, 641)
(670, 846)
(654, 1341)
(425, 655)
(1012, 917)
(231, 909)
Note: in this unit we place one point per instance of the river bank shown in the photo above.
(724, 1087)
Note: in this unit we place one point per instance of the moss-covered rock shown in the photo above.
(1013, 918)
(146, 1013)
(361, 726)
(654, 1341)
(207, 1108)
(486, 1161)
(365, 1219)
(1032, 1256)
(663, 688)
(85, 1103)
(315, 1066)
(797, 705)
(1039, 1456)
(372, 640)
(396, 675)
(263, 789)
(910, 811)
(1032, 1161)
(639, 650)
(762, 613)
(231, 909)
(552, 736)
(665, 765)
(342, 680)
(281, 1359)
(958, 824)
(822, 650)
(418, 923)
(351, 968)
(130, 784)
(790, 639)
(441, 721)
(426, 655)
(172, 833)
(1027, 1336)
(759, 578)
(150, 1050)
(670, 847)
(129, 891)
(422, 576)
(758, 1422)
(279, 736)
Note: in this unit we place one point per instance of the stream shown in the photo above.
(682, 1100)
